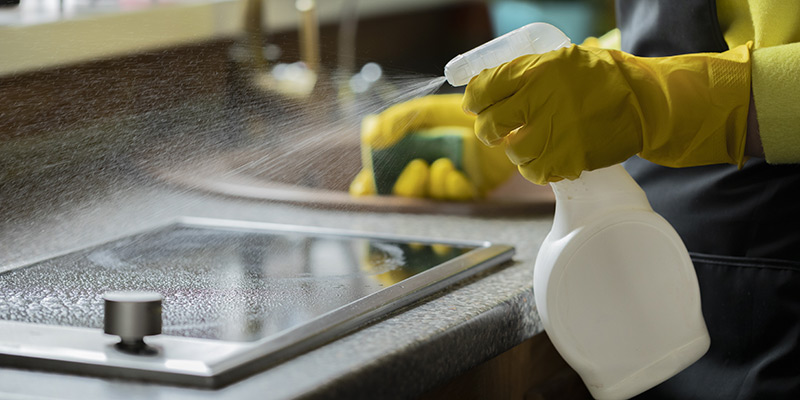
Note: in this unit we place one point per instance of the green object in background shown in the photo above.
(429, 145)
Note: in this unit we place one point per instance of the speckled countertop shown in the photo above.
(400, 356)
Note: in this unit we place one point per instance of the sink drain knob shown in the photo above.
(132, 315)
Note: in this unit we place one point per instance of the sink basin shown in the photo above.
(238, 296)
(322, 181)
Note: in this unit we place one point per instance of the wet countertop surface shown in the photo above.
(400, 356)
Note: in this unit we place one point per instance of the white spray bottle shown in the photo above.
(614, 285)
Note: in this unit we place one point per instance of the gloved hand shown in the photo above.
(426, 148)
(583, 108)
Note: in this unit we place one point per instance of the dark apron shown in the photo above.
(741, 226)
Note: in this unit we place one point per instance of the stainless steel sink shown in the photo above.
(239, 296)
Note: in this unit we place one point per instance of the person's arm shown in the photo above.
(753, 147)
(776, 95)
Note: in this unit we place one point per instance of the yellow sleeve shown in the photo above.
(776, 91)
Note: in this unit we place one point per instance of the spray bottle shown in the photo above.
(613, 282)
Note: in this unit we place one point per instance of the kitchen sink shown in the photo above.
(238, 296)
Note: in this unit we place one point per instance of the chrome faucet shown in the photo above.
(298, 80)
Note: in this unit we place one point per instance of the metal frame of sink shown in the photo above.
(213, 363)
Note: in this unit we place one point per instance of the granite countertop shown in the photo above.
(400, 356)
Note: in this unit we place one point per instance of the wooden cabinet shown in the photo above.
(532, 370)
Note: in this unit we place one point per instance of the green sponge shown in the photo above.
(429, 145)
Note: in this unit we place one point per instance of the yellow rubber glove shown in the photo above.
(435, 120)
(583, 108)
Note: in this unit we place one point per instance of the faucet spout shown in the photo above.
(309, 33)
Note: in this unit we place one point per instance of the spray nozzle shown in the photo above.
(535, 38)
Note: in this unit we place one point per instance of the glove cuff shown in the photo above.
(730, 89)
(702, 117)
